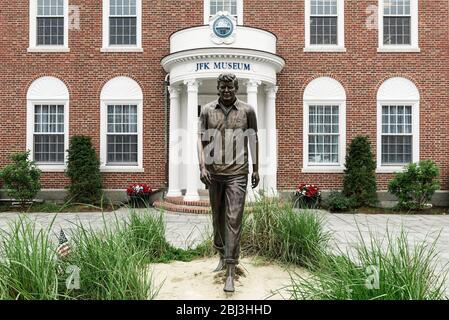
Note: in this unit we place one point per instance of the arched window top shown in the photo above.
(48, 88)
(398, 89)
(121, 88)
(324, 88)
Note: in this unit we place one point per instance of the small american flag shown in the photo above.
(62, 237)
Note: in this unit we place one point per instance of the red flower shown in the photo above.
(308, 190)
(139, 189)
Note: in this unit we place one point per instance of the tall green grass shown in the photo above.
(275, 230)
(28, 268)
(111, 268)
(112, 261)
(378, 270)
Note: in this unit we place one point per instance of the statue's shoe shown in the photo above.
(221, 266)
(229, 285)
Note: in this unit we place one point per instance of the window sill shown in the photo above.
(325, 49)
(392, 169)
(398, 50)
(121, 49)
(48, 50)
(51, 168)
(323, 169)
(123, 169)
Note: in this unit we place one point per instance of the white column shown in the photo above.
(174, 188)
(193, 170)
(272, 146)
(251, 90)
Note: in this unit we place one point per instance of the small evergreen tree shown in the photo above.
(21, 178)
(360, 177)
(83, 169)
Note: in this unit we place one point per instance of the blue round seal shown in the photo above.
(223, 27)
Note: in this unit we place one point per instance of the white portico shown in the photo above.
(197, 57)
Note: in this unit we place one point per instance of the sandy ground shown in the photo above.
(257, 279)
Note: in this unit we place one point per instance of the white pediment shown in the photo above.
(48, 88)
(398, 89)
(324, 88)
(121, 88)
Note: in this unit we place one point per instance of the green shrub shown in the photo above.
(338, 202)
(415, 186)
(385, 270)
(276, 230)
(21, 178)
(360, 178)
(84, 171)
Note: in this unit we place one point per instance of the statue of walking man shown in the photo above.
(226, 127)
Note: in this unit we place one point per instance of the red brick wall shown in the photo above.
(360, 70)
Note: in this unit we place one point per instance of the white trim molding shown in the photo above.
(47, 90)
(121, 90)
(414, 31)
(340, 46)
(398, 91)
(106, 47)
(207, 14)
(325, 91)
(33, 47)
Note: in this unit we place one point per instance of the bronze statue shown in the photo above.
(226, 127)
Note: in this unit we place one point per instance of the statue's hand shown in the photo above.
(205, 176)
(255, 179)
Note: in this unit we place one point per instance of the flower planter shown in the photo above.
(140, 201)
(306, 202)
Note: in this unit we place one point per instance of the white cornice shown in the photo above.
(207, 53)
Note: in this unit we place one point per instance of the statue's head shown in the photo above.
(227, 85)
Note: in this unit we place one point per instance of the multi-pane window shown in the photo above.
(397, 134)
(50, 22)
(223, 5)
(397, 22)
(123, 22)
(323, 134)
(122, 135)
(48, 138)
(323, 22)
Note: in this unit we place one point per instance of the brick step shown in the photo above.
(180, 201)
(181, 208)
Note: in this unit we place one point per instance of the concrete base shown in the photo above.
(440, 199)
(115, 196)
(386, 199)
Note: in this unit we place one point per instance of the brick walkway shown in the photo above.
(184, 230)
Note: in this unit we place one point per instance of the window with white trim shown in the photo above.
(122, 135)
(324, 25)
(398, 25)
(48, 137)
(47, 123)
(233, 7)
(324, 133)
(122, 30)
(397, 124)
(397, 134)
(324, 126)
(48, 25)
(121, 126)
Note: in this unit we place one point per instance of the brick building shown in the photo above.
(318, 72)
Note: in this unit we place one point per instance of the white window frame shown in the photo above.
(33, 47)
(325, 167)
(239, 12)
(104, 167)
(415, 134)
(30, 133)
(122, 48)
(414, 31)
(340, 46)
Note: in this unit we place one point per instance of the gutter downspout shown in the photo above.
(166, 93)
